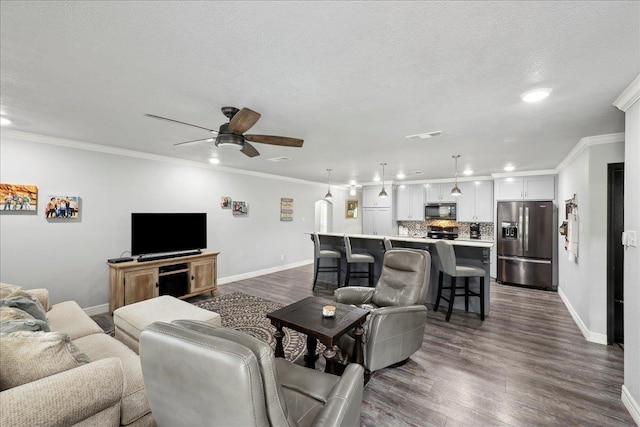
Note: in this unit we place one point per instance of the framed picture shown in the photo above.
(240, 208)
(351, 209)
(62, 207)
(286, 209)
(225, 202)
(19, 197)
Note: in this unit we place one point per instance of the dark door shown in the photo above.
(615, 254)
(538, 229)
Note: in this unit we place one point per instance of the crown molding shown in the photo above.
(524, 173)
(107, 149)
(588, 141)
(629, 96)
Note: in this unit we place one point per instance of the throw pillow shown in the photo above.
(29, 356)
(7, 289)
(10, 326)
(24, 303)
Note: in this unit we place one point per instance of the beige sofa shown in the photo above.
(106, 391)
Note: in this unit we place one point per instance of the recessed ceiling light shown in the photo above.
(353, 182)
(509, 168)
(467, 172)
(214, 160)
(426, 135)
(535, 95)
(376, 178)
(400, 176)
(4, 121)
(210, 140)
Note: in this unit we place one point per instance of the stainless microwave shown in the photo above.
(440, 211)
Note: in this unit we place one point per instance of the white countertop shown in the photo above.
(474, 243)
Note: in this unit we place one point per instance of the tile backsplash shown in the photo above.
(420, 228)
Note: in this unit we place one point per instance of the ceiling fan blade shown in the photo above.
(275, 140)
(153, 116)
(250, 150)
(243, 120)
(193, 140)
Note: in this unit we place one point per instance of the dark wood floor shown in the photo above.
(527, 364)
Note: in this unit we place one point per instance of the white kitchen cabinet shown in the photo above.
(526, 188)
(410, 203)
(370, 197)
(475, 204)
(440, 192)
(376, 221)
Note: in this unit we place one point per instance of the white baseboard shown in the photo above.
(594, 337)
(104, 308)
(97, 309)
(252, 274)
(631, 405)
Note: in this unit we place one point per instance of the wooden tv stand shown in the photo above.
(182, 277)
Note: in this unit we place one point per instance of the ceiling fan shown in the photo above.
(232, 134)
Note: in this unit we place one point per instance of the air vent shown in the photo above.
(280, 159)
(416, 172)
(424, 135)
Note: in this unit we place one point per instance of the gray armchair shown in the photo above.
(395, 328)
(198, 374)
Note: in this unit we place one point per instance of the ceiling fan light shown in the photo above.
(230, 140)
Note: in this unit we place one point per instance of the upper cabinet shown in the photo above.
(370, 197)
(475, 204)
(440, 192)
(526, 188)
(410, 203)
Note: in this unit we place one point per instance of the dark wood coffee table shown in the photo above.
(306, 316)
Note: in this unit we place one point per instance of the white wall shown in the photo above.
(628, 102)
(69, 258)
(583, 284)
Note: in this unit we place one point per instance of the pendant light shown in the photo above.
(455, 191)
(383, 194)
(329, 196)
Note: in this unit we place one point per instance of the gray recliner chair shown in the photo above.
(198, 374)
(395, 328)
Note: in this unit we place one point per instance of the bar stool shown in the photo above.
(358, 259)
(387, 244)
(325, 254)
(447, 265)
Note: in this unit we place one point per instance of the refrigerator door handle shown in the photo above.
(530, 260)
(520, 228)
(526, 229)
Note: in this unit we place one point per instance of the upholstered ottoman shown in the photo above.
(131, 319)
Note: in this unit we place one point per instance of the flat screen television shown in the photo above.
(167, 232)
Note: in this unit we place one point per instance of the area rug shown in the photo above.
(248, 313)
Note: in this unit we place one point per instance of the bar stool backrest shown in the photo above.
(347, 248)
(387, 244)
(316, 242)
(447, 257)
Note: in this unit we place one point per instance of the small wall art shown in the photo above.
(240, 208)
(286, 209)
(225, 202)
(351, 209)
(19, 198)
(62, 207)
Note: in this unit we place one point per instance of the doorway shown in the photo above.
(323, 216)
(615, 254)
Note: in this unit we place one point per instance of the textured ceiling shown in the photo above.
(350, 78)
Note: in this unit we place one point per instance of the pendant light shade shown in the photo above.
(329, 196)
(455, 191)
(383, 194)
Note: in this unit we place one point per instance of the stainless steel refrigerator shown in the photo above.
(525, 243)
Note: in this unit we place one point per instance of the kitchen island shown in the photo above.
(470, 252)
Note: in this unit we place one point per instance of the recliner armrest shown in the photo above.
(397, 309)
(354, 295)
(345, 400)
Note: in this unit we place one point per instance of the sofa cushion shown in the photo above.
(134, 401)
(29, 356)
(69, 318)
